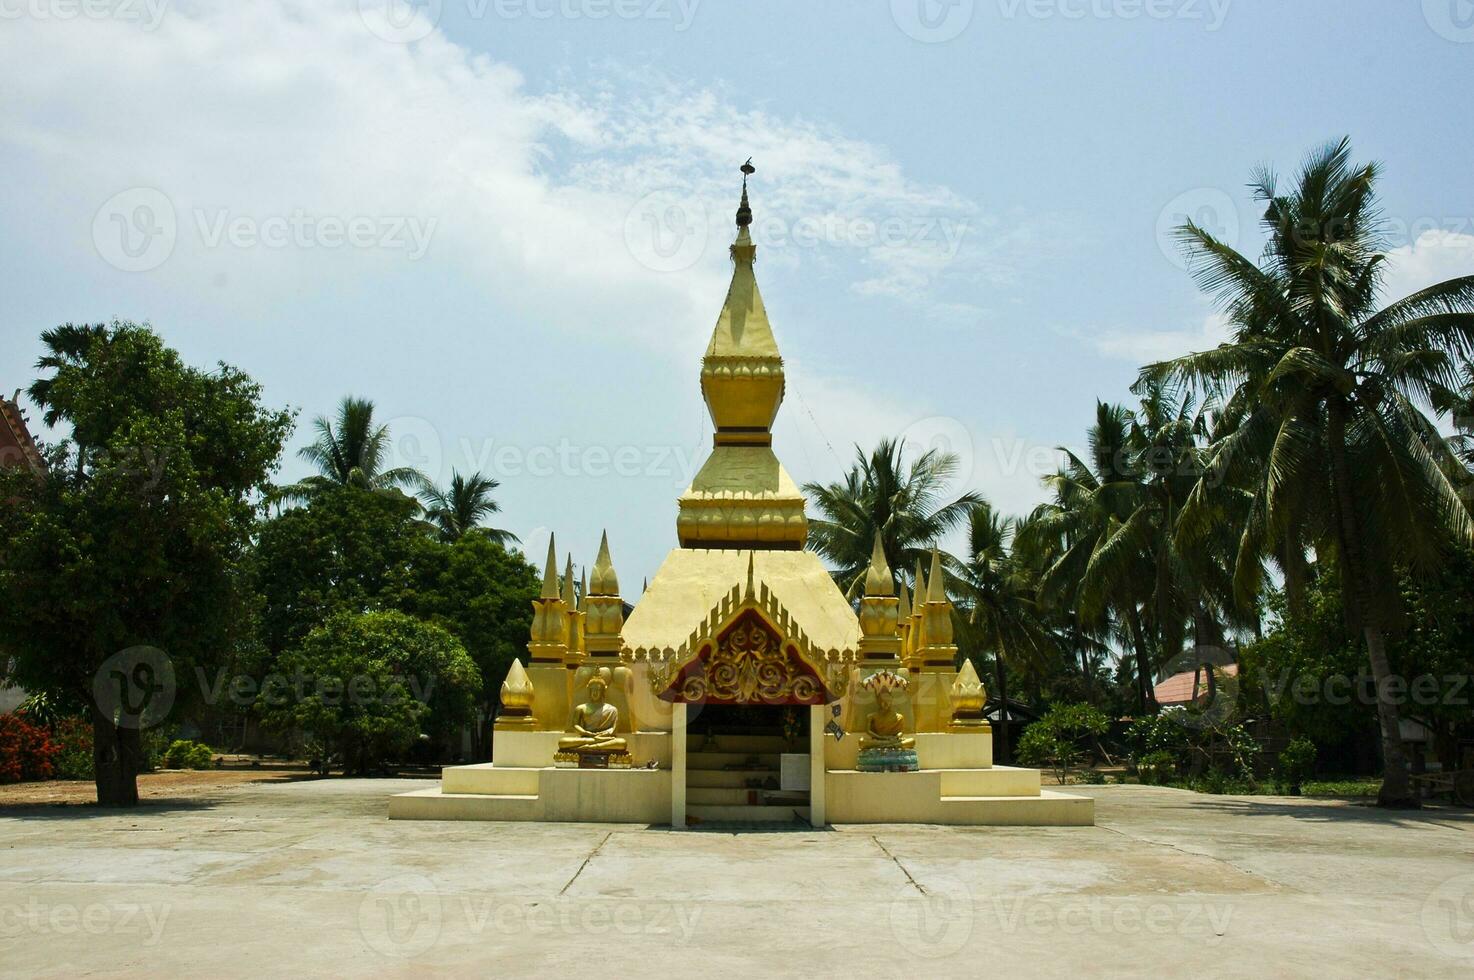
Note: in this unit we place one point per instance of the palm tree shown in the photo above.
(998, 605)
(881, 494)
(351, 453)
(1332, 443)
(1098, 536)
(67, 347)
(458, 509)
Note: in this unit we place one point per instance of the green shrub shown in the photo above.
(1296, 762)
(1342, 787)
(1092, 777)
(369, 681)
(1054, 740)
(1157, 768)
(184, 754)
(72, 738)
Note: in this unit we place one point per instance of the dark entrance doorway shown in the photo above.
(775, 721)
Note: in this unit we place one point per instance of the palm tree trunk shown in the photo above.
(1396, 788)
(1000, 736)
(1146, 698)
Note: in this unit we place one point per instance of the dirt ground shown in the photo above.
(172, 784)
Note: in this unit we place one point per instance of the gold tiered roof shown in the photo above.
(742, 497)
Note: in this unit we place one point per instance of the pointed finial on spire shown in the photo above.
(604, 581)
(583, 587)
(744, 210)
(920, 582)
(878, 580)
(750, 588)
(569, 597)
(550, 573)
(936, 581)
(905, 612)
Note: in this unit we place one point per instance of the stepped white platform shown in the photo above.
(711, 787)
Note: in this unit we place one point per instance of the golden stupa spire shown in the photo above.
(878, 578)
(742, 497)
(550, 573)
(604, 581)
(742, 373)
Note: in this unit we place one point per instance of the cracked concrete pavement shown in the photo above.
(311, 878)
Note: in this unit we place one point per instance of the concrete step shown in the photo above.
(1048, 809)
(432, 804)
(716, 760)
(717, 796)
(708, 813)
(749, 743)
(727, 778)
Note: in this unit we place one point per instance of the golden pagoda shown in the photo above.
(743, 686)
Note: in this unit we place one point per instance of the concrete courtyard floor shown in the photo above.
(311, 878)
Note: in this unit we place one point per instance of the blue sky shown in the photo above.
(505, 221)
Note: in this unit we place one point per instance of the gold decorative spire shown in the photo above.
(550, 573)
(880, 640)
(583, 588)
(905, 603)
(604, 581)
(921, 592)
(517, 698)
(936, 582)
(570, 598)
(968, 698)
(878, 579)
(742, 497)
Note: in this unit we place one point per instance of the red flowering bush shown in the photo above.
(26, 750)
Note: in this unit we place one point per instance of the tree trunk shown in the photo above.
(1357, 582)
(117, 755)
(1000, 735)
(1146, 698)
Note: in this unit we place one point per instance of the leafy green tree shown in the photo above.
(366, 685)
(459, 508)
(482, 593)
(1333, 447)
(341, 552)
(351, 452)
(882, 494)
(1057, 740)
(133, 539)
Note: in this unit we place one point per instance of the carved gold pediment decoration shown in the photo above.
(747, 663)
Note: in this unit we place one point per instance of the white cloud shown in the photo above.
(1434, 257)
(295, 111)
(1149, 346)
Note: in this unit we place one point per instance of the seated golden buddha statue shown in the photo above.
(886, 725)
(885, 747)
(593, 727)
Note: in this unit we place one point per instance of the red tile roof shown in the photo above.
(1180, 688)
